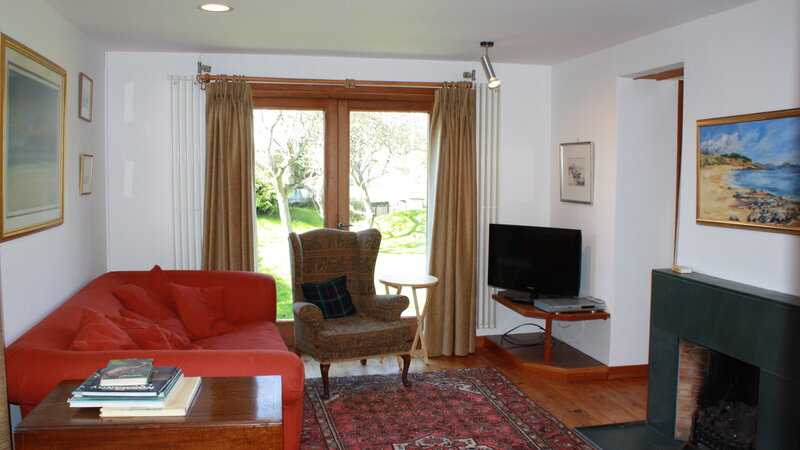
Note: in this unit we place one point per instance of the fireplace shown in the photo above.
(723, 363)
(717, 399)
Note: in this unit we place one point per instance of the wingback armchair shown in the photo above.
(375, 330)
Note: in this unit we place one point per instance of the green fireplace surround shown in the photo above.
(754, 325)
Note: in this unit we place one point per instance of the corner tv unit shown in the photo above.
(534, 262)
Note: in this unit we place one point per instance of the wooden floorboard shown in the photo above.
(577, 404)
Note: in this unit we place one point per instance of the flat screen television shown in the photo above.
(540, 261)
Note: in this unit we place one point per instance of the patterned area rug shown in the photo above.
(459, 409)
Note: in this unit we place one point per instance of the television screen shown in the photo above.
(545, 262)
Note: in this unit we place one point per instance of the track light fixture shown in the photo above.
(493, 82)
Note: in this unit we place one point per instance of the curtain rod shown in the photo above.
(349, 83)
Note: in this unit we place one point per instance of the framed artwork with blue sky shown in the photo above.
(748, 171)
(33, 98)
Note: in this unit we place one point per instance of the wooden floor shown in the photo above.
(580, 403)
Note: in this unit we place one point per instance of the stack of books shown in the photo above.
(135, 388)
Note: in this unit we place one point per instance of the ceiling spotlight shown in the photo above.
(493, 82)
(215, 7)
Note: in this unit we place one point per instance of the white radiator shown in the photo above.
(487, 134)
(188, 171)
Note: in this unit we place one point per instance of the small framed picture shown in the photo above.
(87, 174)
(577, 167)
(85, 94)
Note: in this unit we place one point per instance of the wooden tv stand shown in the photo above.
(571, 365)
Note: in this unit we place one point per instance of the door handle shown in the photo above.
(343, 225)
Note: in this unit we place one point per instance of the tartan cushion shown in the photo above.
(331, 296)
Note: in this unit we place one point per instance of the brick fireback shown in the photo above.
(692, 372)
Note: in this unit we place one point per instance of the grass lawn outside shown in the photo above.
(402, 249)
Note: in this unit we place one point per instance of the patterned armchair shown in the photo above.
(376, 329)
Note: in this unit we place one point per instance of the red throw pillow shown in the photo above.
(173, 329)
(158, 283)
(97, 332)
(141, 300)
(147, 335)
(201, 310)
(176, 326)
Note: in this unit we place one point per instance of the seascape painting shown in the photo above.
(32, 163)
(749, 171)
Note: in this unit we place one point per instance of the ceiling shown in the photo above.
(525, 31)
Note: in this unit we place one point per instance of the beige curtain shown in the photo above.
(228, 223)
(450, 324)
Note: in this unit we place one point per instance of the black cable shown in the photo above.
(504, 337)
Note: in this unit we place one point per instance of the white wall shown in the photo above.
(140, 220)
(524, 178)
(42, 270)
(740, 61)
(645, 206)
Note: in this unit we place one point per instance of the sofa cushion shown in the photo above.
(97, 332)
(201, 310)
(158, 282)
(362, 332)
(251, 335)
(143, 301)
(331, 296)
(173, 328)
(148, 336)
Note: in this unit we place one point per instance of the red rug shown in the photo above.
(469, 409)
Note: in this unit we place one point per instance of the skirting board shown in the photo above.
(636, 371)
(613, 372)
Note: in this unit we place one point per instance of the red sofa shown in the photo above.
(41, 358)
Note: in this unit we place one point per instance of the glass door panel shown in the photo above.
(388, 186)
(290, 194)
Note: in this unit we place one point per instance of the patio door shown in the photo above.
(340, 163)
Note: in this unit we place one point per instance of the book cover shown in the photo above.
(124, 401)
(161, 379)
(124, 372)
(178, 405)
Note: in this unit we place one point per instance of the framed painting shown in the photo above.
(85, 97)
(87, 174)
(577, 168)
(748, 171)
(33, 96)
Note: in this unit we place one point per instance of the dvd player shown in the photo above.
(567, 305)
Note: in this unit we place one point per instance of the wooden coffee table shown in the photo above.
(235, 412)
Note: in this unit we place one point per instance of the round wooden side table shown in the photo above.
(399, 281)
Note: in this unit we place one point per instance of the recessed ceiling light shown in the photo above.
(215, 7)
